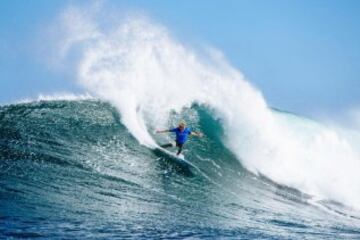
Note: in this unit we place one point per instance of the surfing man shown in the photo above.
(182, 133)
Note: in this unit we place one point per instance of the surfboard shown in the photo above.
(178, 160)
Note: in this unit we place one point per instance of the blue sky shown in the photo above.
(303, 55)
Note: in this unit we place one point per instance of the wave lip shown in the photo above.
(55, 97)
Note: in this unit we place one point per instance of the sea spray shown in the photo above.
(146, 74)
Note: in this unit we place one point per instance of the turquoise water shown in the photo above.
(70, 170)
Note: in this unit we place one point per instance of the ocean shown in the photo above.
(71, 170)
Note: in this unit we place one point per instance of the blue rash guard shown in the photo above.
(181, 136)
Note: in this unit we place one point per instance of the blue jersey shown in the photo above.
(181, 136)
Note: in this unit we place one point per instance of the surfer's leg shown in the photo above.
(173, 144)
(180, 146)
(167, 145)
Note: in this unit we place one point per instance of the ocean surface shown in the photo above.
(70, 169)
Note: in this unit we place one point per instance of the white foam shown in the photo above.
(57, 97)
(145, 73)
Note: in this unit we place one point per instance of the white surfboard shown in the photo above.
(179, 159)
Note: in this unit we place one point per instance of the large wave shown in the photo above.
(146, 74)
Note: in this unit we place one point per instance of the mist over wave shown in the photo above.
(146, 74)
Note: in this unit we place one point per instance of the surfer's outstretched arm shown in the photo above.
(163, 131)
(197, 134)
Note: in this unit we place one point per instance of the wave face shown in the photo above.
(72, 169)
(141, 70)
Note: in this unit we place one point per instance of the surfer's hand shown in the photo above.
(160, 131)
(197, 134)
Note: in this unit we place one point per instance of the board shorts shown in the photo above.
(177, 144)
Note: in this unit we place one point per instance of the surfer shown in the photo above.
(182, 133)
